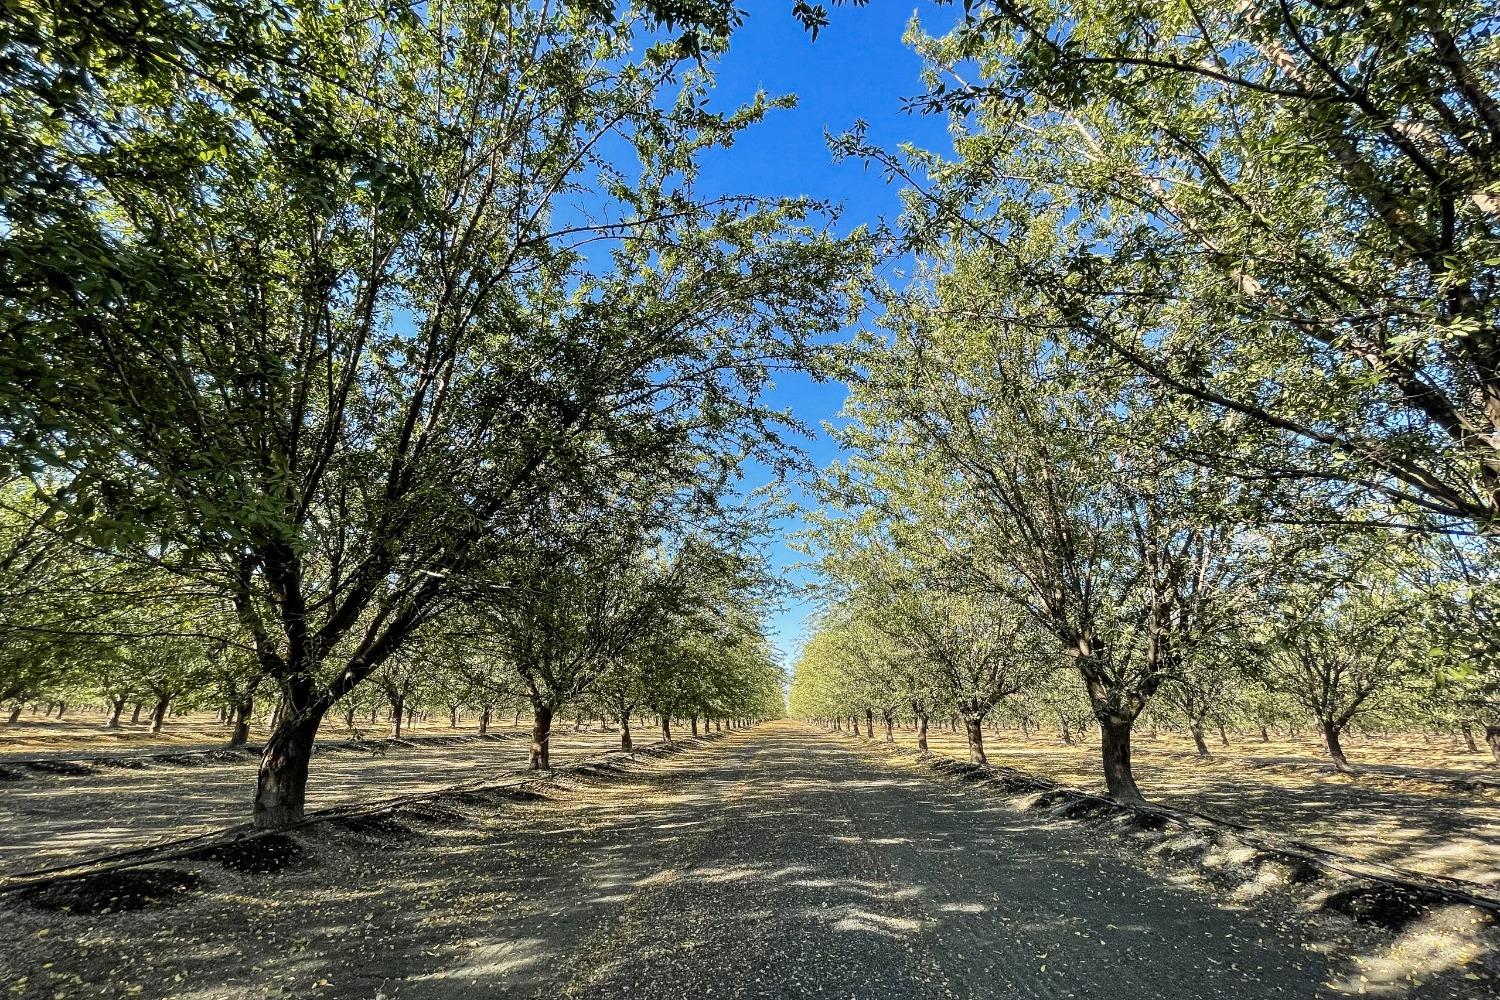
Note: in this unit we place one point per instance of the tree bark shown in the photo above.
(1197, 730)
(1265, 737)
(694, 721)
(241, 732)
(1335, 747)
(626, 743)
(15, 713)
(869, 724)
(1223, 736)
(159, 714)
(890, 736)
(1067, 732)
(398, 703)
(1492, 737)
(115, 708)
(666, 728)
(135, 714)
(1466, 727)
(541, 738)
(974, 730)
(281, 784)
(1119, 778)
(62, 707)
(922, 733)
(484, 721)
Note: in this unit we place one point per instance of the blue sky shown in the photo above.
(857, 69)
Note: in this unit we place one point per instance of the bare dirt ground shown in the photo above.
(55, 820)
(1382, 814)
(775, 863)
(82, 731)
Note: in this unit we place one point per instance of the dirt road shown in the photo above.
(775, 863)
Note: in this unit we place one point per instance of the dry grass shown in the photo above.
(1398, 810)
(83, 732)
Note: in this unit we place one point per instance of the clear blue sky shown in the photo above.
(857, 69)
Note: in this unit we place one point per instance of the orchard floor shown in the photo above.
(777, 862)
(1397, 810)
(82, 732)
(57, 819)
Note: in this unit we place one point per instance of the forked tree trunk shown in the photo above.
(1119, 779)
(922, 733)
(115, 708)
(281, 785)
(159, 714)
(541, 738)
(974, 731)
(1335, 747)
(626, 743)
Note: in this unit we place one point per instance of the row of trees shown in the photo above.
(1196, 380)
(342, 338)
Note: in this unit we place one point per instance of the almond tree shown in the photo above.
(346, 334)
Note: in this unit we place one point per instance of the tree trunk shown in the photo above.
(625, 741)
(135, 714)
(694, 721)
(718, 725)
(1265, 737)
(15, 713)
(922, 733)
(1466, 727)
(1223, 736)
(281, 785)
(890, 736)
(666, 729)
(452, 716)
(1492, 737)
(1119, 779)
(398, 703)
(241, 733)
(974, 730)
(484, 721)
(1067, 732)
(869, 724)
(541, 738)
(62, 707)
(159, 714)
(1197, 730)
(1335, 747)
(115, 708)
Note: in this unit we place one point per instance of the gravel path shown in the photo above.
(776, 863)
(786, 865)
